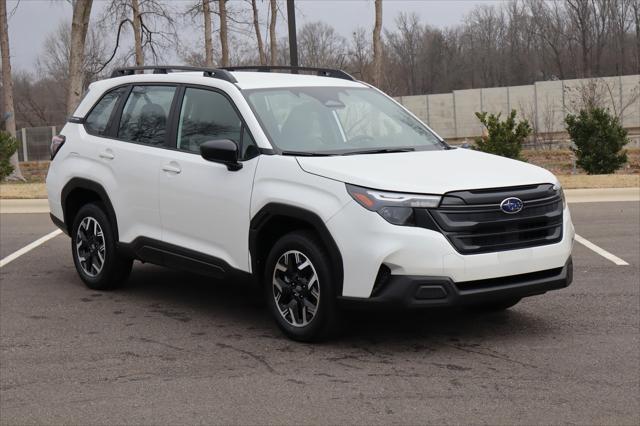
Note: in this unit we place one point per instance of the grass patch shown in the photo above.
(23, 190)
(560, 161)
(599, 181)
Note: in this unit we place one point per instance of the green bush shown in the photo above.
(8, 145)
(504, 137)
(599, 139)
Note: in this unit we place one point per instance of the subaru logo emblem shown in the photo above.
(511, 205)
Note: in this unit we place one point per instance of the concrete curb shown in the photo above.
(573, 196)
(602, 195)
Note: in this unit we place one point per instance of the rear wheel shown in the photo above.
(95, 255)
(300, 288)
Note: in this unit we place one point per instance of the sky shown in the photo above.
(33, 20)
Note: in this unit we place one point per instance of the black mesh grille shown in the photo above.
(474, 223)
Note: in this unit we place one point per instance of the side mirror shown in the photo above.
(223, 151)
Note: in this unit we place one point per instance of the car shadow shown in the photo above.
(185, 296)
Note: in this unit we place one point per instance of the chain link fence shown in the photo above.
(34, 142)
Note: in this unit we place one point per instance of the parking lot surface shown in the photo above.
(176, 348)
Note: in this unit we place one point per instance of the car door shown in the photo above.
(133, 153)
(204, 206)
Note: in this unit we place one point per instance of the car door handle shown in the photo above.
(107, 155)
(171, 168)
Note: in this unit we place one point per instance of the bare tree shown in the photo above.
(137, 32)
(152, 23)
(600, 93)
(79, 28)
(320, 46)
(256, 26)
(273, 41)
(580, 16)
(195, 57)
(360, 54)
(550, 28)
(224, 38)
(208, 43)
(7, 89)
(377, 45)
(405, 46)
(54, 59)
(621, 25)
(54, 66)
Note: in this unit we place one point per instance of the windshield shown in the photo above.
(337, 120)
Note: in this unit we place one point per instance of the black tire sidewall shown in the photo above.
(105, 279)
(326, 315)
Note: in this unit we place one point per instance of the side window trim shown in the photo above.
(114, 121)
(243, 124)
(112, 116)
(174, 117)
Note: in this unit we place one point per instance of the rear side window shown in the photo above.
(144, 117)
(97, 121)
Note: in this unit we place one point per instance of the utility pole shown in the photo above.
(293, 42)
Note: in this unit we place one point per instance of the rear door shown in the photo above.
(133, 149)
(204, 206)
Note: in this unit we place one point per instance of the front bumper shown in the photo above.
(366, 242)
(404, 291)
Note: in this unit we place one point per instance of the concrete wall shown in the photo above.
(630, 91)
(442, 114)
(545, 104)
(468, 102)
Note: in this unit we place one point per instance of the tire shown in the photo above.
(302, 301)
(500, 305)
(95, 254)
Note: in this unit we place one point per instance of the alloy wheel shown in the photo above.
(90, 246)
(296, 289)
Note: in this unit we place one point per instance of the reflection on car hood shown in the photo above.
(427, 172)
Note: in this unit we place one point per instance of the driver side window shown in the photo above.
(208, 115)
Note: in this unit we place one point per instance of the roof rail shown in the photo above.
(222, 74)
(325, 72)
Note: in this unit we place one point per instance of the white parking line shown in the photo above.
(602, 252)
(16, 254)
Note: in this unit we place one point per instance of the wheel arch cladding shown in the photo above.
(275, 220)
(78, 192)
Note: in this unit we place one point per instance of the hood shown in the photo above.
(427, 172)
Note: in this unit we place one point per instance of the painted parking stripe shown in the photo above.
(26, 249)
(602, 252)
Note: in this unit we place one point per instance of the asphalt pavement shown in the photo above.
(176, 348)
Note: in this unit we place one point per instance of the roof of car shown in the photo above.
(258, 80)
(245, 80)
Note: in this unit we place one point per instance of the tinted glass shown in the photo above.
(145, 115)
(98, 119)
(207, 115)
(337, 120)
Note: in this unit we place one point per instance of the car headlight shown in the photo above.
(559, 190)
(394, 207)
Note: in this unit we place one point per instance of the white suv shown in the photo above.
(320, 189)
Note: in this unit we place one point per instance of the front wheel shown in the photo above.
(300, 288)
(95, 255)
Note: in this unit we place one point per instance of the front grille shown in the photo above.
(474, 223)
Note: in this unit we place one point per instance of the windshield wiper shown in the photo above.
(307, 153)
(379, 151)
